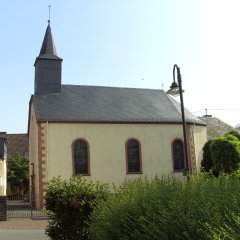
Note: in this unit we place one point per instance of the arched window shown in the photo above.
(133, 156)
(81, 157)
(178, 155)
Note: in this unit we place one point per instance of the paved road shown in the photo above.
(38, 234)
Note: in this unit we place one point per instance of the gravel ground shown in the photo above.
(23, 224)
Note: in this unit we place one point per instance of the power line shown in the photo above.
(218, 109)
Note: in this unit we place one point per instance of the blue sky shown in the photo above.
(125, 43)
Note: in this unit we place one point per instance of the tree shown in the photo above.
(226, 154)
(234, 133)
(18, 172)
(207, 163)
(222, 154)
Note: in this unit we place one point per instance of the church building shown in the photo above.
(105, 134)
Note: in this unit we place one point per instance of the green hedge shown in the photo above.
(69, 204)
(235, 133)
(222, 154)
(167, 208)
(225, 153)
(207, 163)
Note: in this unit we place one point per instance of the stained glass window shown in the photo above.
(133, 156)
(81, 157)
(178, 155)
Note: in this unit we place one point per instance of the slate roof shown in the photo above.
(215, 127)
(3, 141)
(48, 49)
(78, 103)
(16, 143)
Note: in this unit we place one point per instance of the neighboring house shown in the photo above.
(16, 143)
(3, 165)
(105, 134)
(215, 127)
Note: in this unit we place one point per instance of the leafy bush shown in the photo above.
(207, 162)
(225, 154)
(70, 203)
(235, 133)
(167, 208)
(222, 154)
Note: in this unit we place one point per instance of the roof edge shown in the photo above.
(120, 122)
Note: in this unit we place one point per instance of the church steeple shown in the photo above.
(48, 66)
(48, 49)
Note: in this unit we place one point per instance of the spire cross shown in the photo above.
(49, 13)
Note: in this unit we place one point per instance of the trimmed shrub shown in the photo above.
(222, 154)
(225, 153)
(235, 133)
(207, 163)
(167, 208)
(70, 204)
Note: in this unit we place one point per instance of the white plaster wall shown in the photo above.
(107, 148)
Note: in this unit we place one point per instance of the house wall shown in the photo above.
(3, 173)
(1, 177)
(199, 139)
(4, 192)
(107, 148)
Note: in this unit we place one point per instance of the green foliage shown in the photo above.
(18, 169)
(222, 154)
(235, 133)
(167, 208)
(225, 152)
(230, 230)
(70, 203)
(207, 162)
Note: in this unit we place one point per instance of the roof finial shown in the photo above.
(49, 13)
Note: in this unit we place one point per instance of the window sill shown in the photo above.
(128, 173)
(82, 175)
(178, 171)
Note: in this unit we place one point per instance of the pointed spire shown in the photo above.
(48, 66)
(48, 49)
